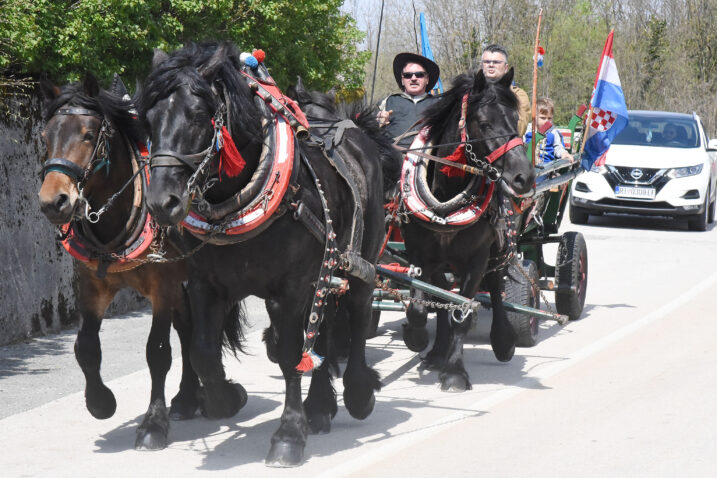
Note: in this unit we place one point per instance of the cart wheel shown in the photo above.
(571, 275)
(372, 329)
(523, 290)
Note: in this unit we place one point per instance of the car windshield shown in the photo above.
(644, 130)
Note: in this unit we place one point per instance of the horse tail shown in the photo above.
(233, 329)
(391, 159)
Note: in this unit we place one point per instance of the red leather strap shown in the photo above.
(501, 150)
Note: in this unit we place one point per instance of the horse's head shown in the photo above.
(187, 98)
(77, 135)
(491, 120)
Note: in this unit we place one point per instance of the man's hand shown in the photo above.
(384, 117)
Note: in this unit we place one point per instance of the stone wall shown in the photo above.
(37, 292)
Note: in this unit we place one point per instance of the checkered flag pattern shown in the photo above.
(602, 120)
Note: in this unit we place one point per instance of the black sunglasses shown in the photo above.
(418, 74)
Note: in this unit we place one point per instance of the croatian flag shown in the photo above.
(609, 113)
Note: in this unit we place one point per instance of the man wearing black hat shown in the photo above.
(416, 75)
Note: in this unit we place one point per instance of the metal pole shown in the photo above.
(533, 109)
(378, 43)
(482, 298)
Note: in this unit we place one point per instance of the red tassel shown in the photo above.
(231, 162)
(306, 363)
(458, 156)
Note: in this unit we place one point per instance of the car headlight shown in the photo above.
(683, 172)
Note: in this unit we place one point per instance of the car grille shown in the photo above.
(623, 175)
(620, 175)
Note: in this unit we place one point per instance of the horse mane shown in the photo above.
(187, 66)
(118, 110)
(442, 116)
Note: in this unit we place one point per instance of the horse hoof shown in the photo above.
(431, 362)
(227, 403)
(319, 424)
(359, 413)
(100, 402)
(151, 438)
(504, 356)
(285, 455)
(415, 338)
(454, 383)
(183, 410)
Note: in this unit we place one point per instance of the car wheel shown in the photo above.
(711, 214)
(698, 222)
(578, 215)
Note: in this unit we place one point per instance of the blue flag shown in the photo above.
(609, 111)
(426, 49)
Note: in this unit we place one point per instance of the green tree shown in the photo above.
(65, 38)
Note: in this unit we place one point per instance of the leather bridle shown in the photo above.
(78, 173)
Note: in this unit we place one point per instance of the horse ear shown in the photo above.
(507, 79)
(48, 89)
(90, 85)
(291, 93)
(301, 95)
(212, 65)
(158, 57)
(479, 81)
(118, 86)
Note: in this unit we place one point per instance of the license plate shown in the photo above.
(635, 192)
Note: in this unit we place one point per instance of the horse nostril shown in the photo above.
(61, 201)
(171, 202)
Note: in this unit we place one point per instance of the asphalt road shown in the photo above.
(628, 390)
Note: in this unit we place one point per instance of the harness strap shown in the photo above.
(76, 110)
(501, 150)
(304, 215)
(310, 359)
(64, 166)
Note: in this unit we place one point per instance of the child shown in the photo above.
(552, 146)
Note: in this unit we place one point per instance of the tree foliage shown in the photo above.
(65, 38)
(665, 50)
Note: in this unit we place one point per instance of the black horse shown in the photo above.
(458, 224)
(183, 100)
(327, 118)
(93, 188)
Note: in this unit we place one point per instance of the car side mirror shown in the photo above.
(712, 146)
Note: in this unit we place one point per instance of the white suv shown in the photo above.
(661, 164)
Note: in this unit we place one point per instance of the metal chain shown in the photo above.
(431, 304)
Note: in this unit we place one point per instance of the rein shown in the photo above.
(464, 148)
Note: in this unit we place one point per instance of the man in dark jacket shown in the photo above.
(416, 75)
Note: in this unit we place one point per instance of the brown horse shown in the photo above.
(93, 186)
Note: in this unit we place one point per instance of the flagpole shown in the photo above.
(378, 43)
(533, 109)
(592, 95)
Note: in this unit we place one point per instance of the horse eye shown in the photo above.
(89, 136)
(485, 126)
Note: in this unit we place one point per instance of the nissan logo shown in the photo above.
(636, 173)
